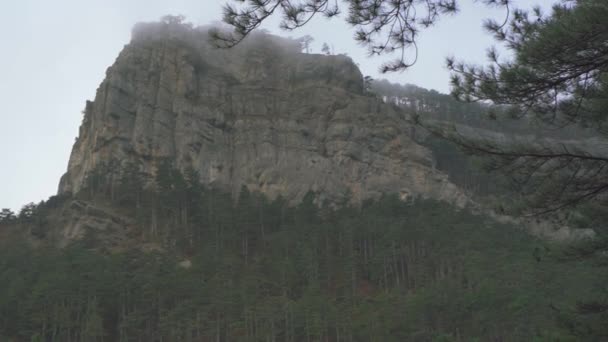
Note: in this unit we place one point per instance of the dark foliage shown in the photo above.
(558, 77)
(261, 270)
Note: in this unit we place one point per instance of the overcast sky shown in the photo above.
(55, 52)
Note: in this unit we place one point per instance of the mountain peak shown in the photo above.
(261, 115)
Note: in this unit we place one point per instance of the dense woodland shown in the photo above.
(260, 270)
(219, 266)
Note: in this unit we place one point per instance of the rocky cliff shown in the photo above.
(262, 115)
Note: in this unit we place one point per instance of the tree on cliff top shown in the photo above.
(325, 49)
(305, 43)
(6, 215)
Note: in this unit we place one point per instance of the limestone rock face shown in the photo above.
(262, 115)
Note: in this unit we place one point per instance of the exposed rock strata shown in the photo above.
(261, 115)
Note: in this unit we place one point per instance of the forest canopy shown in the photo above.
(262, 270)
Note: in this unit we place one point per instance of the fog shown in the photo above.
(55, 53)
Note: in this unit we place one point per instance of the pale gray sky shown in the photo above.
(55, 53)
